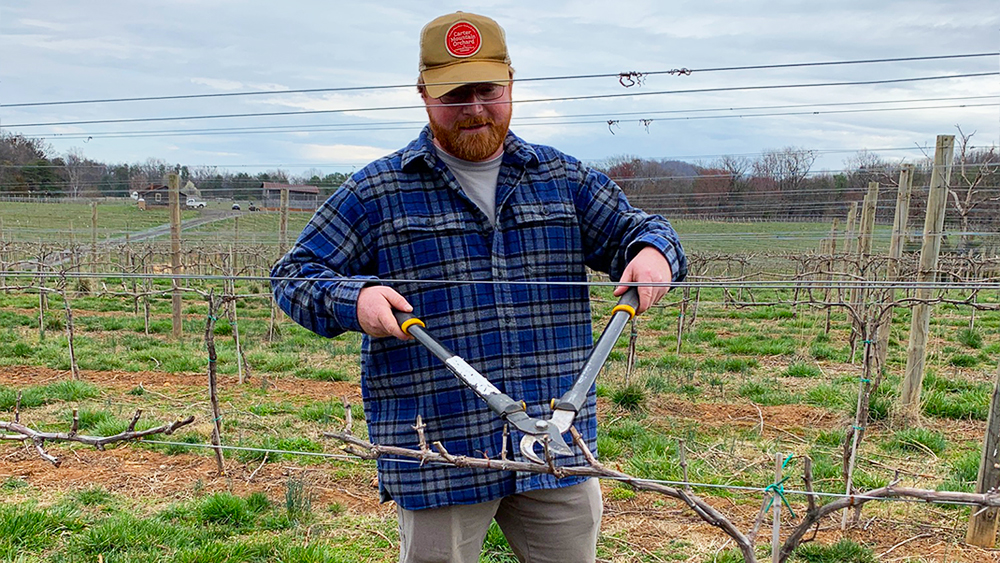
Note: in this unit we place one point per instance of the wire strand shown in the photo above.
(536, 79)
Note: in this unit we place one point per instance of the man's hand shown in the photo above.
(375, 305)
(648, 266)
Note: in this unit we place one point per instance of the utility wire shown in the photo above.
(412, 124)
(306, 128)
(676, 72)
(757, 284)
(537, 100)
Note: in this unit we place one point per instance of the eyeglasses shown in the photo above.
(486, 92)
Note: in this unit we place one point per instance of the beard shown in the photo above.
(472, 146)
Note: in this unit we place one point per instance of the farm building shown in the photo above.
(159, 194)
(300, 197)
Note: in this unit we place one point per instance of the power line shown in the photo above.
(518, 120)
(537, 100)
(676, 72)
(387, 127)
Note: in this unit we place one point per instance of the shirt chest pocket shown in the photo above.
(545, 238)
(428, 247)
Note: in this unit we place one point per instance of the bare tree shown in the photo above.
(977, 168)
(82, 174)
(787, 167)
(778, 174)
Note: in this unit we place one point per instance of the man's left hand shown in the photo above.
(648, 266)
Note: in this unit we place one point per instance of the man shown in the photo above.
(468, 227)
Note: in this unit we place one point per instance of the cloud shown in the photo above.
(50, 25)
(237, 85)
(219, 84)
(342, 153)
(359, 104)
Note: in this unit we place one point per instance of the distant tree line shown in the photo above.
(29, 169)
(781, 185)
(777, 185)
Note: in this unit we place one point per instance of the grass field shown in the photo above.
(58, 222)
(747, 382)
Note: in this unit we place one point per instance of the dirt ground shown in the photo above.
(642, 524)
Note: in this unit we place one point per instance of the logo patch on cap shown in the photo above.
(463, 40)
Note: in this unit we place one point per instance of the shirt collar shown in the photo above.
(421, 149)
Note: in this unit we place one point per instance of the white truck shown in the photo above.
(195, 203)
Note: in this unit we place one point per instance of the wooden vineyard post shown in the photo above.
(899, 222)
(867, 227)
(42, 301)
(852, 217)
(982, 529)
(174, 183)
(831, 265)
(916, 351)
(283, 223)
(93, 245)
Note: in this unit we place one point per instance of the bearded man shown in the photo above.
(487, 238)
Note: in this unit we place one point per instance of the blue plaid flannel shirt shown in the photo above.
(404, 217)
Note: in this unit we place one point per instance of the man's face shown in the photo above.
(474, 130)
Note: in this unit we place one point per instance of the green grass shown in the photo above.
(227, 509)
(766, 393)
(495, 547)
(38, 395)
(21, 220)
(27, 528)
(917, 440)
(844, 551)
(220, 527)
(329, 412)
(296, 444)
(971, 338)
(757, 345)
(802, 370)
(963, 361)
(955, 398)
(774, 237)
(963, 471)
(629, 397)
(730, 365)
(91, 496)
(831, 396)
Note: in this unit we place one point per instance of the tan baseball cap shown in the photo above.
(462, 48)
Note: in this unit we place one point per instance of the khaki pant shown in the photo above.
(545, 526)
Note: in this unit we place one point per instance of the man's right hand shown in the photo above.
(375, 305)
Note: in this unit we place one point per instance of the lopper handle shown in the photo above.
(623, 312)
(496, 400)
(407, 320)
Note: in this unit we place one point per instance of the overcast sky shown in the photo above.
(73, 50)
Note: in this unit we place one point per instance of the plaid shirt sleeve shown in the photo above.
(614, 231)
(482, 290)
(336, 243)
